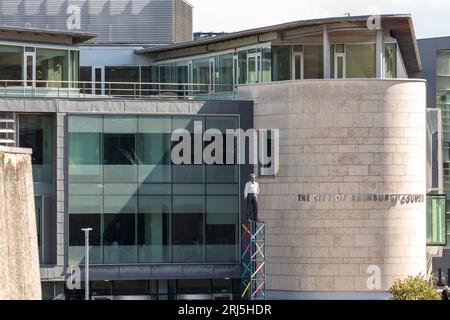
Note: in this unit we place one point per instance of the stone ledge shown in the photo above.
(16, 150)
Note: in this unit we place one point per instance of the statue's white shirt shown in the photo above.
(251, 188)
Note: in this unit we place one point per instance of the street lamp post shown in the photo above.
(86, 263)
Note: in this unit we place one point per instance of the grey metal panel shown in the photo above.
(115, 21)
(162, 271)
(428, 50)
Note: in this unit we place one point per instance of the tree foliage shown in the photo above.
(413, 288)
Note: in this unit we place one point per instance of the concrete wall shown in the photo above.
(19, 260)
(342, 136)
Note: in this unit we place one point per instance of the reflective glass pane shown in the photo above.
(313, 61)
(436, 220)
(242, 61)
(281, 61)
(77, 238)
(360, 60)
(298, 67)
(155, 188)
(11, 64)
(224, 67)
(390, 60)
(120, 204)
(85, 204)
(187, 228)
(52, 67)
(119, 238)
(36, 132)
(200, 69)
(252, 70)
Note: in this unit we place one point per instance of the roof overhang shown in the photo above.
(399, 27)
(74, 37)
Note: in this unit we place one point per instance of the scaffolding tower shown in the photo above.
(253, 261)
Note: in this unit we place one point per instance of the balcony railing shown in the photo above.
(130, 90)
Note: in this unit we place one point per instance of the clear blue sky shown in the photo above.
(431, 17)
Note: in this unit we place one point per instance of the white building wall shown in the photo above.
(111, 56)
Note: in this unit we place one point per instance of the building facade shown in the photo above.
(434, 53)
(345, 213)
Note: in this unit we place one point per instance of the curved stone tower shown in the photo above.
(343, 137)
(19, 260)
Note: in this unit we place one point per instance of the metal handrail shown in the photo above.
(110, 89)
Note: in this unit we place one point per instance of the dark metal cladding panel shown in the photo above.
(115, 21)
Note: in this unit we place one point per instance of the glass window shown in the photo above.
(36, 132)
(133, 193)
(242, 62)
(436, 220)
(85, 84)
(52, 66)
(153, 235)
(11, 63)
(221, 228)
(297, 48)
(443, 63)
(122, 74)
(360, 60)
(74, 66)
(85, 204)
(119, 140)
(266, 64)
(224, 67)
(154, 141)
(390, 60)
(201, 75)
(39, 218)
(281, 56)
(148, 75)
(77, 238)
(188, 228)
(85, 148)
(339, 48)
(313, 61)
(119, 149)
(120, 203)
(80, 221)
(119, 229)
(119, 238)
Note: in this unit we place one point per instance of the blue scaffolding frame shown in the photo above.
(253, 261)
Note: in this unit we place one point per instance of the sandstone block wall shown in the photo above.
(19, 260)
(343, 136)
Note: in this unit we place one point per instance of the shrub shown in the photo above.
(413, 288)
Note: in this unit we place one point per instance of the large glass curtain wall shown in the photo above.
(142, 208)
(215, 73)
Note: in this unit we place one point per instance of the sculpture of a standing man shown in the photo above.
(250, 195)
